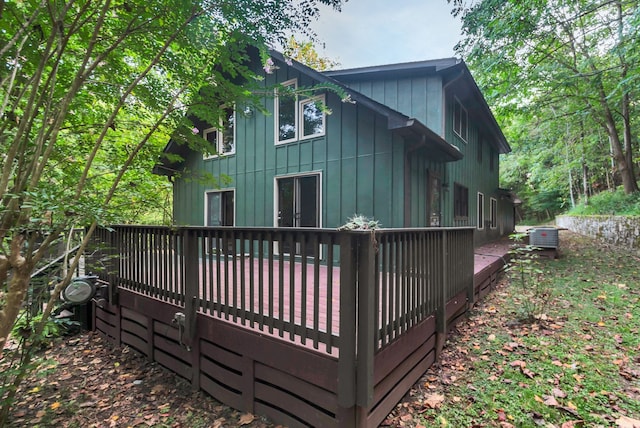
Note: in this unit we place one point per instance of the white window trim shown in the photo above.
(206, 205)
(301, 104)
(463, 110)
(220, 139)
(294, 83)
(480, 212)
(494, 213)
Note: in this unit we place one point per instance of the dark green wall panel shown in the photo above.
(362, 164)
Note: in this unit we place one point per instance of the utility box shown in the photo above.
(544, 237)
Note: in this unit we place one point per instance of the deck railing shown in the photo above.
(346, 293)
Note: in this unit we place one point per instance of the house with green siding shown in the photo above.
(411, 145)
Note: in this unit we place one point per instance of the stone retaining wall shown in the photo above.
(621, 231)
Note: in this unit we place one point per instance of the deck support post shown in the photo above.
(366, 325)
(441, 312)
(191, 285)
(347, 354)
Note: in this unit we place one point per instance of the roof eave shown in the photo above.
(501, 141)
(440, 149)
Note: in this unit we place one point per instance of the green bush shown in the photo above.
(607, 203)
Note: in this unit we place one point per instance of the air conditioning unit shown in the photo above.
(544, 237)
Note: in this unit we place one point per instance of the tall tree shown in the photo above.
(90, 92)
(565, 60)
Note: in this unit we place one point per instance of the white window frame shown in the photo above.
(480, 212)
(206, 204)
(319, 99)
(276, 207)
(493, 212)
(458, 127)
(294, 83)
(220, 138)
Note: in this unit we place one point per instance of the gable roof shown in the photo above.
(441, 149)
(452, 71)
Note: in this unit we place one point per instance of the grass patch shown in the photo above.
(609, 203)
(578, 365)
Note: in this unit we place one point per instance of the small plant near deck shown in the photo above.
(525, 273)
(360, 222)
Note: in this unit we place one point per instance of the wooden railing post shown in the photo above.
(347, 356)
(366, 313)
(191, 266)
(468, 265)
(114, 251)
(441, 312)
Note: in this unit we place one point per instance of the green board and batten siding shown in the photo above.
(366, 157)
(472, 172)
(416, 97)
(364, 168)
(422, 98)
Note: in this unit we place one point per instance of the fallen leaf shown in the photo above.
(627, 422)
(551, 401)
(246, 419)
(55, 405)
(434, 400)
(491, 337)
(557, 392)
(572, 424)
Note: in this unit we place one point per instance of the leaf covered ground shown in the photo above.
(577, 365)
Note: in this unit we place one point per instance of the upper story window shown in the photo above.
(223, 137)
(297, 119)
(312, 117)
(286, 112)
(460, 120)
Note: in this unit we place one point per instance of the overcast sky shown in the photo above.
(375, 32)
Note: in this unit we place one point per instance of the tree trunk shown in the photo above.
(628, 146)
(16, 289)
(626, 157)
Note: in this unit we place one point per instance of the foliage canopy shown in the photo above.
(563, 77)
(91, 91)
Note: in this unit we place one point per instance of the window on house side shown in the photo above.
(286, 112)
(312, 117)
(222, 138)
(220, 208)
(480, 211)
(460, 120)
(460, 201)
(494, 213)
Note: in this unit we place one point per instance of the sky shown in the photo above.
(376, 32)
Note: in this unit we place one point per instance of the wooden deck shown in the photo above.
(304, 343)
